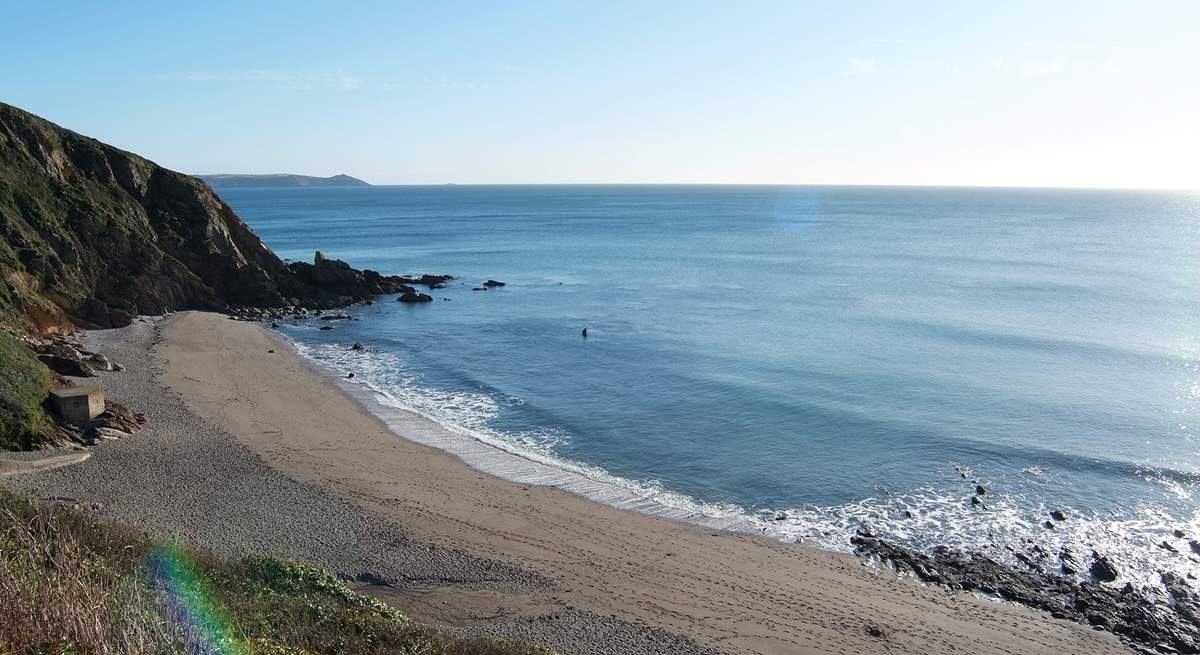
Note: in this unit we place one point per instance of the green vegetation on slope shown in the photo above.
(72, 584)
(24, 383)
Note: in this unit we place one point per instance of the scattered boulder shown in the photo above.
(66, 366)
(100, 362)
(356, 346)
(493, 283)
(980, 490)
(1058, 515)
(1179, 534)
(1168, 547)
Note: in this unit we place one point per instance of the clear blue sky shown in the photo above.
(1103, 94)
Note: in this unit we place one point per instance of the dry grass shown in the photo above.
(73, 585)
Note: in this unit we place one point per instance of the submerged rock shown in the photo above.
(493, 283)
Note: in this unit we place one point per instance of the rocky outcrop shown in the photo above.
(1135, 615)
(92, 235)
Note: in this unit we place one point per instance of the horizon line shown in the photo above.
(1044, 187)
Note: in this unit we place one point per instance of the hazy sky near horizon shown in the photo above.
(1097, 94)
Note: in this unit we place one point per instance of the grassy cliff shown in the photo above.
(24, 382)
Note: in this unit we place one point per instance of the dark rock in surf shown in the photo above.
(1058, 515)
(493, 283)
(413, 297)
(980, 490)
(356, 346)
(1102, 569)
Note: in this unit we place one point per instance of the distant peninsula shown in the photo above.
(232, 181)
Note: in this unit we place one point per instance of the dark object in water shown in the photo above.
(356, 346)
(584, 333)
(493, 283)
(349, 375)
(1102, 569)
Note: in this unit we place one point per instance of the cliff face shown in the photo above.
(94, 234)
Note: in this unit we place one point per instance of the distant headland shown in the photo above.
(229, 181)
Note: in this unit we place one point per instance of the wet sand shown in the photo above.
(248, 449)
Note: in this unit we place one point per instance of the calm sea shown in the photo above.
(806, 359)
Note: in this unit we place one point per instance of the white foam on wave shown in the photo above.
(459, 422)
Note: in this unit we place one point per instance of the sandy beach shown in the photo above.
(247, 448)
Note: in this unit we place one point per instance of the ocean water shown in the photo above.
(798, 361)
